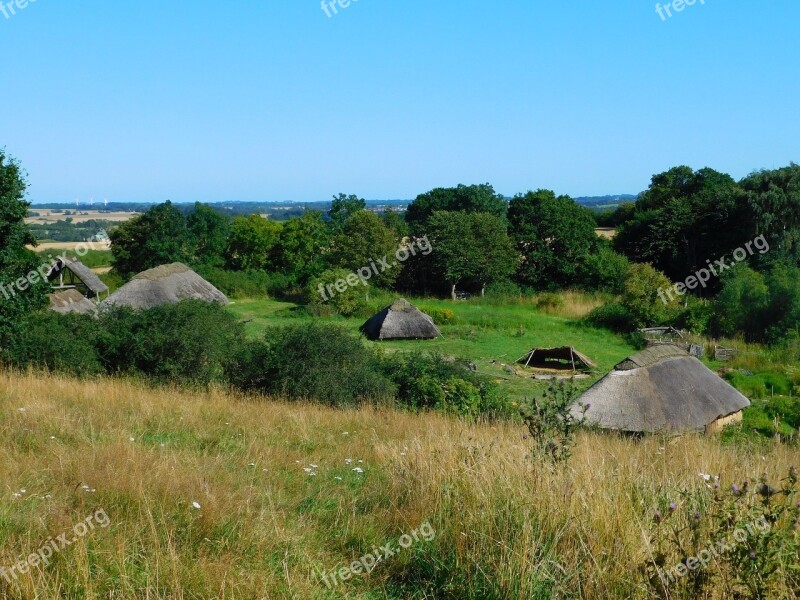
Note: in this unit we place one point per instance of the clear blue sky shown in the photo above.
(274, 100)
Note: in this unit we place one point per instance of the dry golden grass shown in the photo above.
(265, 527)
(571, 304)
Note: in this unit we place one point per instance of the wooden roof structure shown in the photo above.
(562, 358)
(70, 273)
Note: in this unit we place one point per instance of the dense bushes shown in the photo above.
(313, 362)
(189, 342)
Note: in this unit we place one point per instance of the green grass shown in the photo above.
(92, 258)
(482, 332)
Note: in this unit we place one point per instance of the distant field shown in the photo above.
(48, 216)
(606, 232)
(70, 246)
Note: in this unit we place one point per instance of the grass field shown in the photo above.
(213, 496)
(483, 332)
(45, 216)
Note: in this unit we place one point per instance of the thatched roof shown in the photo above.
(660, 389)
(87, 277)
(556, 358)
(71, 301)
(167, 284)
(400, 321)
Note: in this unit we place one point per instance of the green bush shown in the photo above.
(605, 270)
(612, 316)
(311, 362)
(60, 343)
(190, 342)
(440, 316)
(322, 295)
(245, 284)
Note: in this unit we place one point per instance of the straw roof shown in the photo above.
(71, 301)
(87, 277)
(660, 389)
(400, 321)
(167, 284)
(556, 358)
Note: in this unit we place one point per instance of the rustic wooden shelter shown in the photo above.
(72, 274)
(561, 359)
(400, 321)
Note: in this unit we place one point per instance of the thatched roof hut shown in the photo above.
(660, 389)
(564, 358)
(167, 284)
(70, 273)
(400, 321)
(71, 301)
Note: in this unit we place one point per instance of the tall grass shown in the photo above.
(506, 526)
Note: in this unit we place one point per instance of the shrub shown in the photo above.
(440, 316)
(605, 270)
(549, 301)
(63, 343)
(612, 316)
(431, 381)
(550, 422)
(506, 288)
(311, 362)
(189, 342)
(348, 303)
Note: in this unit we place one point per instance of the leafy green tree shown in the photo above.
(16, 262)
(342, 208)
(322, 293)
(773, 198)
(364, 240)
(554, 235)
(469, 247)
(302, 248)
(641, 298)
(463, 198)
(684, 219)
(251, 243)
(156, 237)
(208, 231)
(605, 270)
(395, 221)
(741, 303)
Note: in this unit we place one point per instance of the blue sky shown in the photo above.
(274, 100)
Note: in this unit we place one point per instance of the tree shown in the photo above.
(342, 208)
(17, 264)
(684, 219)
(554, 235)
(156, 237)
(364, 239)
(463, 198)
(251, 243)
(641, 298)
(208, 230)
(302, 247)
(741, 303)
(469, 248)
(773, 197)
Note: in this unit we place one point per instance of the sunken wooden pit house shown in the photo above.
(400, 321)
(71, 274)
(661, 390)
(565, 358)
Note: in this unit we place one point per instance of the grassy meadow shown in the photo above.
(214, 496)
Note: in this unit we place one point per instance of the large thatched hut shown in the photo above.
(661, 389)
(400, 321)
(167, 284)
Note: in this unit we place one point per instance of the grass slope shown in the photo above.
(505, 527)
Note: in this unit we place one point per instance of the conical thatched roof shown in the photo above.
(167, 284)
(400, 321)
(71, 301)
(660, 389)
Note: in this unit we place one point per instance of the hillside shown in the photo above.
(213, 496)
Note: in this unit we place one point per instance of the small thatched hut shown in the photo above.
(560, 359)
(167, 284)
(71, 301)
(72, 274)
(661, 389)
(400, 321)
